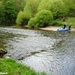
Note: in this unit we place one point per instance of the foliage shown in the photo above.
(19, 4)
(32, 23)
(70, 21)
(31, 6)
(23, 18)
(71, 7)
(8, 12)
(57, 23)
(41, 19)
(12, 68)
(1, 13)
(9, 9)
(57, 7)
(45, 4)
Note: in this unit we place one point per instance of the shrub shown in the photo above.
(32, 5)
(70, 21)
(23, 18)
(10, 11)
(57, 23)
(42, 19)
(31, 23)
(1, 13)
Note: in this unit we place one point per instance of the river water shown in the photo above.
(51, 52)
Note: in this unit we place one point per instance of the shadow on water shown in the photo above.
(47, 51)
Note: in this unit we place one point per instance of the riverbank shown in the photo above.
(54, 28)
(11, 67)
(50, 28)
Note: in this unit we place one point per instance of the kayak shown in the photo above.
(63, 29)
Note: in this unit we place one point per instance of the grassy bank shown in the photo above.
(70, 21)
(11, 67)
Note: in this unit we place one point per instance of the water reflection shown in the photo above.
(47, 51)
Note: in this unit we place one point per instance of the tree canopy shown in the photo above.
(10, 9)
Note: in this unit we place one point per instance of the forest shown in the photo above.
(36, 13)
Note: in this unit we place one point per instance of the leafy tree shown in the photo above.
(59, 9)
(1, 12)
(4, 1)
(31, 6)
(32, 22)
(9, 12)
(45, 4)
(9, 9)
(42, 18)
(73, 1)
(68, 3)
(71, 7)
(23, 18)
(56, 6)
(20, 4)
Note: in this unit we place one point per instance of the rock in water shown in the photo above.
(2, 51)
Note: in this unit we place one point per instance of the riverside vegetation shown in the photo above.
(11, 67)
(35, 13)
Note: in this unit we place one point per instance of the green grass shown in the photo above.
(11, 67)
(57, 22)
(70, 21)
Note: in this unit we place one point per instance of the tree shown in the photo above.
(59, 9)
(10, 11)
(31, 6)
(42, 19)
(45, 4)
(23, 18)
(71, 7)
(20, 4)
(56, 6)
(1, 12)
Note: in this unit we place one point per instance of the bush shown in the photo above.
(31, 23)
(70, 21)
(32, 5)
(23, 18)
(57, 23)
(10, 11)
(41, 19)
(57, 7)
(1, 13)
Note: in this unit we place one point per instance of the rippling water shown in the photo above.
(47, 51)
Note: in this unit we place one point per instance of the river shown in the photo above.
(51, 52)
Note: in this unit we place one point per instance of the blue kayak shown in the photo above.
(63, 29)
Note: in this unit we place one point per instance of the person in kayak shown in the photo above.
(64, 26)
(69, 27)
